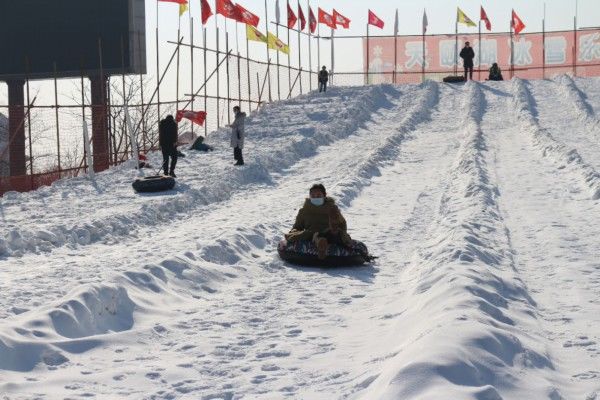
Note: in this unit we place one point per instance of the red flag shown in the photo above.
(516, 23)
(312, 21)
(227, 9)
(374, 20)
(302, 19)
(340, 19)
(291, 17)
(326, 19)
(484, 17)
(206, 11)
(246, 16)
(197, 117)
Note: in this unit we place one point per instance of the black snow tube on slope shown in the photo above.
(454, 79)
(305, 253)
(151, 184)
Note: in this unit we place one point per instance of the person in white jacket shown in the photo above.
(237, 135)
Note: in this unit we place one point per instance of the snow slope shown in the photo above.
(479, 199)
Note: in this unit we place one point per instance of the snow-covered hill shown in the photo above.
(481, 201)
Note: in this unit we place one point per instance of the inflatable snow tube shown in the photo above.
(156, 183)
(454, 79)
(305, 253)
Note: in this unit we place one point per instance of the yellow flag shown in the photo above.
(254, 34)
(462, 18)
(273, 42)
(183, 7)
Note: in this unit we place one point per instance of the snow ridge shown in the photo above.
(92, 314)
(560, 154)
(389, 148)
(275, 151)
(466, 273)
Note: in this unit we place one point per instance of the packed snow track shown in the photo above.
(480, 199)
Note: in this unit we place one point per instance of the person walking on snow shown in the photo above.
(467, 54)
(320, 221)
(167, 139)
(237, 135)
(323, 78)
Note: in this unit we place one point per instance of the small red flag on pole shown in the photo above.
(206, 11)
(291, 17)
(516, 22)
(312, 21)
(327, 19)
(375, 20)
(196, 117)
(339, 19)
(484, 18)
(301, 17)
(246, 17)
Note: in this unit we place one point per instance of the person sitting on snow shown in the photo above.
(321, 221)
(495, 73)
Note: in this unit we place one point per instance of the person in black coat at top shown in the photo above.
(323, 78)
(467, 54)
(167, 138)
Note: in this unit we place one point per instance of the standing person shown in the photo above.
(237, 135)
(167, 138)
(467, 54)
(323, 78)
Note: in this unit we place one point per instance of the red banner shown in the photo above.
(528, 50)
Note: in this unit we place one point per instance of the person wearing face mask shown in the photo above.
(321, 221)
(237, 135)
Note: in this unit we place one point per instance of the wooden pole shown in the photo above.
(299, 49)
(288, 56)
(248, 73)
(267, 48)
(424, 60)
(157, 70)
(204, 76)
(479, 75)
(177, 68)
(191, 64)
(367, 80)
(228, 80)
(144, 132)
(544, 46)
(309, 48)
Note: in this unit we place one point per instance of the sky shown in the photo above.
(441, 16)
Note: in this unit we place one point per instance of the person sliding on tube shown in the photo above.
(321, 221)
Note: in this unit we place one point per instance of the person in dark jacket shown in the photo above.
(323, 78)
(467, 54)
(237, 135)
(167, 138)
(495, 73)
(320, 221)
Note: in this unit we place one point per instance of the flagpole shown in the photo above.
(368, 50)
(277, 54)
(332, 56)
(288, 55)
(299, 49)
(456, 45)
(204, 76)
(158, 69)
(309, 48)
(395, 46)
(512, 55)
(192, 61)
(177, 67)
(479, 49)
(268, 75)
(227, 75)
(424, 59)
(218, 68)
(544, 44)
(318, 48)
(248, 73)
(575, 40)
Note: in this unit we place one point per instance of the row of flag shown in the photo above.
(461, 18)
(333, 20)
